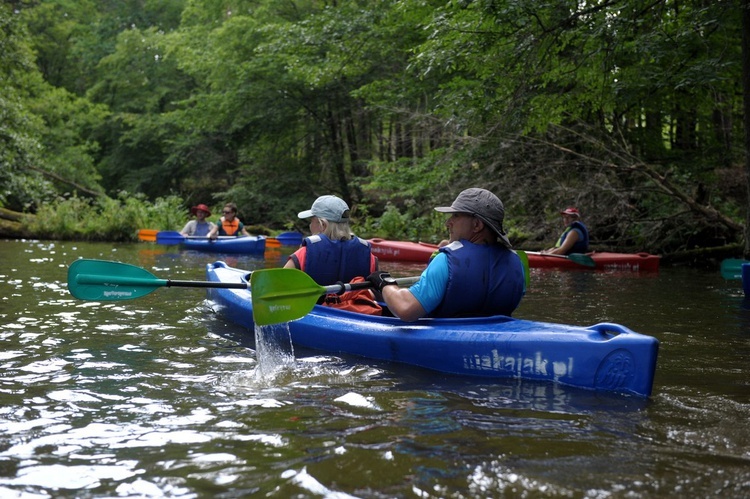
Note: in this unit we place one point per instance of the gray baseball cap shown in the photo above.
(484, 205)
(331, 208)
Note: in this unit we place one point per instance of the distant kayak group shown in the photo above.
(570, 251)
(399, 251)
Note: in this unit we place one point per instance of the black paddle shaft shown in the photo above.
(342, 287)
(206, 284)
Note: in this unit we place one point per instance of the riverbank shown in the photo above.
(16, 225)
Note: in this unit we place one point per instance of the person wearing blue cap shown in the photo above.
(332, 253)
(475, 274)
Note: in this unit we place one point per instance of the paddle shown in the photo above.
(148, 235)
(731, 268)
(578, 258)
(105, 280)
(284, 295)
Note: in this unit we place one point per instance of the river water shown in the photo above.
(160, 397)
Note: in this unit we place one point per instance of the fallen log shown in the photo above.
(14, 225)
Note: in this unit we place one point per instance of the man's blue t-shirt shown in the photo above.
(430, 289)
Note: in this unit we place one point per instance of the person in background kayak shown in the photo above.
(200, 226)
(229, 224)
(332, 253)
(575, 237)
(476, 274)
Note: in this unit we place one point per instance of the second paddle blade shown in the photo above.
(731, 268)
(106, 280)
(582, 259)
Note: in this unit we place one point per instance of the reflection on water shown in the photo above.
(160, 397)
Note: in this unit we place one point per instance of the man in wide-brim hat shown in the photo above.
(475, 274)
(200, 226)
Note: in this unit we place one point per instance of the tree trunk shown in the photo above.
(746, 95)
(335, 127)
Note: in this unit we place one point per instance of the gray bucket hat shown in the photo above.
(484, 205)
(331, 208)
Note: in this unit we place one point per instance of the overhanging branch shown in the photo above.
(661, 181)
(66, 181)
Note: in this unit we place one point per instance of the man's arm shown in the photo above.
(572, 238)
(422, 298)
(402, 303)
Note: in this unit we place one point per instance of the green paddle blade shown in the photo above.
(578, 258)
(104, 280)
(582, 259)
(525, 262)
(282, 295)
(731, 268)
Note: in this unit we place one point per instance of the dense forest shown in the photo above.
(120, 114)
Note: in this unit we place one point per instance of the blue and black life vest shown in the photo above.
(482, 280)
(329, 262)
(582, 245)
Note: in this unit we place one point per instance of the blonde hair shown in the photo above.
(336, 230)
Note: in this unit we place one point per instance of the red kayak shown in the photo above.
(407, 251)
(402, 251)
(603, 261)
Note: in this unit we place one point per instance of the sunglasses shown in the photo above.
(227, 212)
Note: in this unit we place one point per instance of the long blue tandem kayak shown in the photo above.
(239, 245)
(233, 245)
(606, 357)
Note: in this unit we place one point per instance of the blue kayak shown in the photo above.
(605, 357)
(223, 244)
(235, 245)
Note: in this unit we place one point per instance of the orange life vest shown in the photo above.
(230, 228)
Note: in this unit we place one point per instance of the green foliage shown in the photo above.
(413, 225)
(19, 129)
(56, 26)
(138, 77)
(44, 129)
(395, 106)
(70, 149)
(24, 192)
(401, 196)
(107, 219)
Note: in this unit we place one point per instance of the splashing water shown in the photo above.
(274, 351)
